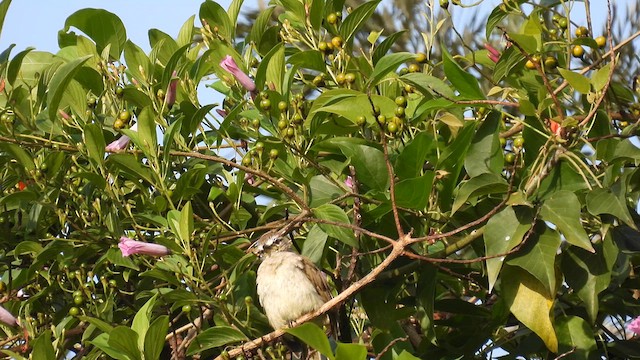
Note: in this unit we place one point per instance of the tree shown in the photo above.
(465, 202)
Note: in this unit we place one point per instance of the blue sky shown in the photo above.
(37, 22)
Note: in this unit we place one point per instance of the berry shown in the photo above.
(3, 286)
(124, 115)
(421, 57)
(265, 104)
(361, 120)
(577, 51)
(401, 101)
(186, 309)
(322, 46)
(74, 311)
(400, 111)
(332, 18)
(518, 142)
(282, 124)
(290, 132)
(350, 78)
(392, 127)
(509, 158)
(119, 91)
(582, 31)
(414, 68)
(118, 124)
(273, 154)
(92, 102)
(601, 41)
(282, 106)
(160, 94)
(550, 63)
(337, 42)
(78, 300)
(259, 146)
(340, 78)
(382, 119)
(246, 161)
(563, 23)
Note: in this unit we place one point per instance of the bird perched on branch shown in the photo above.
(289, 285)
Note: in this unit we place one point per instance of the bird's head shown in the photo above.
(270, 243)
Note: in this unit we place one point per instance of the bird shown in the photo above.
(289, 285)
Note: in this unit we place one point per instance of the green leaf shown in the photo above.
(309, 59)
(215, 15)
(387, 64)
(604, 201)
(313, 247)
(16, 62)
(263, 68)
(102, 342)
(316, 13)
(382, 49)
(494, 19)
(215, 337)
(428, 85)
(502, 233)
(125, 340)
(529, 302)
(451, 161)
(234, 11)
(154, 339)
(43, 347)
(351, 352)
(461, 80)
(414, 193)
(576, 336)
(4, 6)
(370, 165)
(483, 184)
(404, 355)
(275, 70)
(356, 20)
(260, 25)
(163, 45)
(59, 83)
(313, 336)
(138, 63)
(601, 76)
(147, 136)
(563, 210)
(323, 191)
(334, 213)
(485, 154)
(129, 164)
(411, 160)
(141, 321)
(94, 141)
(103, 27)
(577, 81)
(19, 154)
(527, 42)
(538, 257)
(185, 35)
(588, 274)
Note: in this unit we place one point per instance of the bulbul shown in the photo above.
(289, 285)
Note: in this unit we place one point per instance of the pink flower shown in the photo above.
(493, 54)
(129, 247)
(171, 90)
(7, 318)
(230, 65)
(122, 142)
(349, 182)
(221, 112)
(634, 325)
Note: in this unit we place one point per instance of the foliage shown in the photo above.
(463, 207)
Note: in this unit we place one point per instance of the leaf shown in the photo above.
(263, 68)
(16, 62)
(538, 257)
(575, 335)
(601, 76)
(370, 166)
(404, 355)
(483, 184)
(334, 213)
(59, 83)
(129, 164)
(604, 201)
(323, 190)
(588, 274)
(154, 339)
(215, 16)
(502, 233)
(428, 85)
(215, 337)
(485, 154)
(494, 19)
(102, 342)
(411, 160)
(43, 347)
(309, 59)
(351, 352)
(313, 336)
(577, 81)
(125, 340)
(387, 64)
(138, 63)
(356, 20)
(94, 141)
(141, 321)
(563, 210)
(384, 47)
(148, 141)
(461, 80)
(4, 6)
(103, 27)
(313, 247)
(529, 302)
(414, 193)
(275, 70)
(19, 154)
(451, 161)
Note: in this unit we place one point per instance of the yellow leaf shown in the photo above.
(530, 303)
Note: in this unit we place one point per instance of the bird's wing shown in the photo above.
(317, 277)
